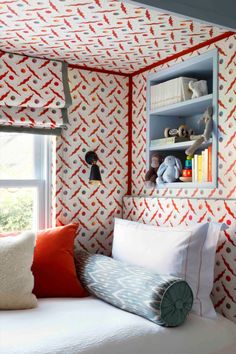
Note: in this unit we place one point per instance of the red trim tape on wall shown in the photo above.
(104, 71)
(130, 93)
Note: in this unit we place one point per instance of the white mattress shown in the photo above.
(90, 326)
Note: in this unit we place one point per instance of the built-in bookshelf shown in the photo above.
(188, 112)
(177, 146)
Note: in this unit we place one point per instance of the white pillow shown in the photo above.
(184, 251)
(16, 278)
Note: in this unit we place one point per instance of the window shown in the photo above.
(24, 181)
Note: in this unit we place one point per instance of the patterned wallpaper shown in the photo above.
(103, 33)
(98, 121)
(185, 206)
(31, 82)
(32, 91)
(226, 129)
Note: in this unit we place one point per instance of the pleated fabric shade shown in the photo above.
(34, 94)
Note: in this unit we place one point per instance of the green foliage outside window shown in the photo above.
(16, 209)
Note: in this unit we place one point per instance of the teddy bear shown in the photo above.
(169, 171)
(151, 175)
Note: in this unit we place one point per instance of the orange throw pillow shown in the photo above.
(53, 266)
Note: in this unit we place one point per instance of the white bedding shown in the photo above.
(90, 326)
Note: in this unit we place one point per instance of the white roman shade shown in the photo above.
(34, 94)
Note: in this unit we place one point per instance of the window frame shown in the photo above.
(41, 181)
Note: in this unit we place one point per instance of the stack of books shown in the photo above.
(165, 141)
(170, 92)
(202, 166)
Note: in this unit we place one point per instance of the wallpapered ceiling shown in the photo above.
(102, 33)
(226, 129)
(98, 121)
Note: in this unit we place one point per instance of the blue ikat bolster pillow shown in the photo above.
(162, 299)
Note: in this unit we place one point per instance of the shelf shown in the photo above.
(186, 185)
(179, 146)
(189, 112)
(186, 108)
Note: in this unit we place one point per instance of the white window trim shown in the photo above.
(42, 181)
(47, 182)
(43, 154)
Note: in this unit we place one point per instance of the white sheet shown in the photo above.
(90, 326)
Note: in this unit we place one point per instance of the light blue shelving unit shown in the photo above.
(186, 108)
(201, 67)
(178, 146)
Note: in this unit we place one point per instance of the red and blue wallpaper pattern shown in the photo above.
(98, 121)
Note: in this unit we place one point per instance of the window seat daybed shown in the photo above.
(90, 326)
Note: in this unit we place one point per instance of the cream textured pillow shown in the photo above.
(16, 278)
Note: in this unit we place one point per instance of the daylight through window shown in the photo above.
(24, 194)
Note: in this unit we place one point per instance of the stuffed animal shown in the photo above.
(198, 88)
(151, 175)
(169, 171)
(207, 118)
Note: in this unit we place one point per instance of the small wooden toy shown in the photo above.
(187, 171)
(183, 132)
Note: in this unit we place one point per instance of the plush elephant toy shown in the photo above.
(169, 171)
(198, 88)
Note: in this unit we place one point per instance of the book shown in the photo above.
(170, 140)
(195, 168)
(199, 168)
(205, 165)
(170, 92)
(209, 150)
(202, 166)
(153, 97)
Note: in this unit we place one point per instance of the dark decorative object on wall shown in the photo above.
(95, 177)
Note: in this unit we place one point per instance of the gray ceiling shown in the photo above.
(218, 12)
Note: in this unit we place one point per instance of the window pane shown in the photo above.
(16, 156)
(17, 209)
